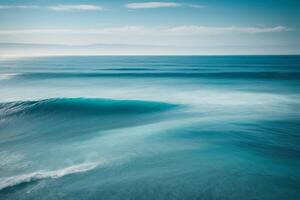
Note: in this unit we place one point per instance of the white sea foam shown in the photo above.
(42, 174)
(8, 159)
(7, 76)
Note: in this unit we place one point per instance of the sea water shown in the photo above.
(155, 127)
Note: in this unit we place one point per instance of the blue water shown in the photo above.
(178, 127)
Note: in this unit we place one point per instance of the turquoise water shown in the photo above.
(178, 127)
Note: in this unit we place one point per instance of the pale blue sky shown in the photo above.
(259, 25)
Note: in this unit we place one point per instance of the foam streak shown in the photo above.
(37, 175)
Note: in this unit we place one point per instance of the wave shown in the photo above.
(66, 118)
(43, 174)
(8, 76)
(91, 106)
(182, 74)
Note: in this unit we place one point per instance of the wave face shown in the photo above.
(178, 127)
(63, 113)
(81, 106)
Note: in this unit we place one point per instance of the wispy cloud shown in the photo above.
(79, 7)
(144, 5)
(18, 7)
(152, 5)
(195, 6)
(86, 7)
(91, 7)
(190, 30)
(140, 30)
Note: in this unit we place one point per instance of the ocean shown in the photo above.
(150, 127)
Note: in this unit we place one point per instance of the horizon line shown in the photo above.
(140, 55)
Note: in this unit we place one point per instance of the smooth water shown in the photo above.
(181, 127)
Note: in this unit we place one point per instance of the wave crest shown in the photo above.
(82, 106)
(37, 175)
(8, 76)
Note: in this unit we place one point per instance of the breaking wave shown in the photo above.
(43, 174)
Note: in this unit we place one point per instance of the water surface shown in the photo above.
(178, 127)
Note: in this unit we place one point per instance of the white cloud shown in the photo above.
(160, 5)
(91, 7)
(140, 30)
(195, 6)
(152, 5)
(191, 30)
(79, 7)
(18, 7)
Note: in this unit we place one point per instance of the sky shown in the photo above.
(150, 27)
